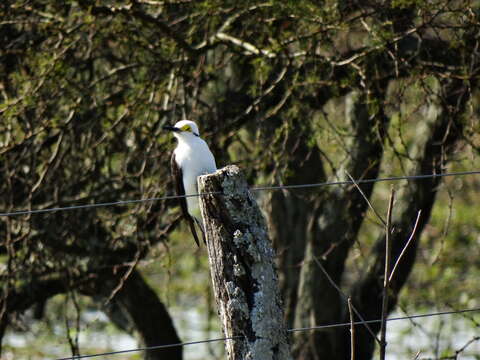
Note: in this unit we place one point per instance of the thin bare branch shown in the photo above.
(340, 291)
(388, 253)
(412, 235)
(352, 330)
(124, 278)
(365, 197)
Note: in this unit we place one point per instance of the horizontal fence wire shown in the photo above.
(259, 188)
(312, 328)
(254, 189)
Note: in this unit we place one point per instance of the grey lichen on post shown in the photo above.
(242, 268)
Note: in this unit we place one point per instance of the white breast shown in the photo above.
(195, 159)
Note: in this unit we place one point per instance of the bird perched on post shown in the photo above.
(190, 159)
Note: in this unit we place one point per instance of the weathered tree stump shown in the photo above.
(242, 268)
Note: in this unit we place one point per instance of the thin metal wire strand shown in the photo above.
(290, 330)
(260, 188)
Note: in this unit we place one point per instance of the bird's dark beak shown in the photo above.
(170, 128)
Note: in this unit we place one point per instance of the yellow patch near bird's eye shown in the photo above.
(186, 128)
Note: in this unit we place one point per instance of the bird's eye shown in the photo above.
(186, 128)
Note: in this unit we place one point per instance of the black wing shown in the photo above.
(178, 180)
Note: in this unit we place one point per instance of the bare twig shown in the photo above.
(467, 344)
(72, 340)
(362, 320)
(412, 235)
(388, 253)
(365, 197)
(124, 278)
(352, 330)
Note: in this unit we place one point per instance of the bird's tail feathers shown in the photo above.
(194, 232)
(200, 225)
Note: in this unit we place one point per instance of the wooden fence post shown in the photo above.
(242, 268)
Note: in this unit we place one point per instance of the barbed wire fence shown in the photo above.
(259, 189)
(312, 328)
(254, 189)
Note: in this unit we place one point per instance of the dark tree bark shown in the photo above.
(339, 215)
(242, 268)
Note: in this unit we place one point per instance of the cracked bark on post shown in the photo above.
(242, 268)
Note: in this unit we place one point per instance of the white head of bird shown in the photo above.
(184, 129)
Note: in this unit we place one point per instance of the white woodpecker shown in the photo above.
(190, 159)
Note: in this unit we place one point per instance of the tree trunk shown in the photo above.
(242, 268)
(289, 213)
(150, 318)
(136, 307)
(339, 216)
(436, 139)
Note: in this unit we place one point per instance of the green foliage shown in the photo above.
(86, 86)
